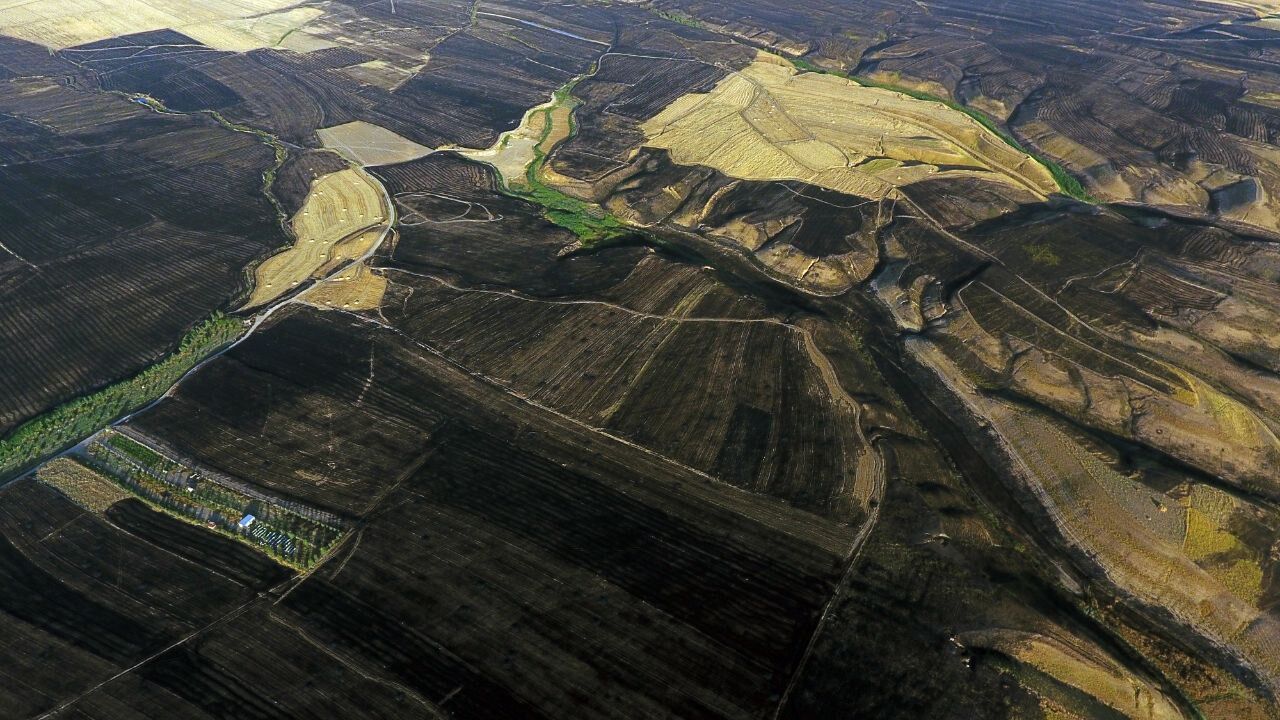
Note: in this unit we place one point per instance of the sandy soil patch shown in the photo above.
(516, 149)
(369, 144)
(768, 122)
(343, 212)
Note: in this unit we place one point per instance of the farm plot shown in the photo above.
(82, 485)
(511, 572)
(766, 122)
(293, 535)
(457, 222)
(495, 530)
(262, 662)
(58, 24)
(344, 206)
(430, 72)
(730, 388)
(631, 87)
(595, 336)
(104, 280)
(94, 598)
(366, 144)
(330, 423)
(356, 288)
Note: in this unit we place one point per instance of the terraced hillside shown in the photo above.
(666, 359)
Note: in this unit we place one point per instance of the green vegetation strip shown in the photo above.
(681, 18)
(1067, 183)
(591, 223)
(80, 418)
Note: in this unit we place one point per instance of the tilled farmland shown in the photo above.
(665, 359)
(123, 228)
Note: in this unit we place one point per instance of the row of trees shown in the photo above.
(69, 423)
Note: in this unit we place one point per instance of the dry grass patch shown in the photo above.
(343, 212)
(1097, 675)
(356, 288)
(368, 144)
(84, 486)
(226, 24)
(516, 149)
(767, 122)
(1220, 552)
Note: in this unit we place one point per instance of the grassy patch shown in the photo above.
(1067, 183)
(1042, 254)
(591, 223)
(134, 449)
(75, 420)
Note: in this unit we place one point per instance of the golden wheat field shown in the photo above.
(356, 288)
(341, 206)
(768, 122)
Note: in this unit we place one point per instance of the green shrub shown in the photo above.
(71, 422)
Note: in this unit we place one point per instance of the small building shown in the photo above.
(246, 521)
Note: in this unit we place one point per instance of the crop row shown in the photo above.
(172, 487)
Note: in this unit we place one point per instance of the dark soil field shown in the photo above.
(517, 540)
(84, 599)
(122, 228)
(603, 431)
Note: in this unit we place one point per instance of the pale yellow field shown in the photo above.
(1097, 675)
(369, 144)
(342, 206)
(1259, 6)
(768, 122)
(280, 29)
(515, 149)
(356, 288)
(82, 485)
(225, 24)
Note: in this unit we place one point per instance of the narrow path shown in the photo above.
(878, 483)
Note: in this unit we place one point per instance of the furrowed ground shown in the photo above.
(723, 360)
